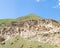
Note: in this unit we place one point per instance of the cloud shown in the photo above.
(55, 6)
(38, 0)
(58, 5)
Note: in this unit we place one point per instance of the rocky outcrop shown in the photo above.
(1, 39)
(44, 30)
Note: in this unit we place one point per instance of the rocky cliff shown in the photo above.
(42, 30)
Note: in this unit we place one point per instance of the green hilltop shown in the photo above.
(29, 17)
(22, 18)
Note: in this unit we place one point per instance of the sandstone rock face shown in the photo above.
(45, 30)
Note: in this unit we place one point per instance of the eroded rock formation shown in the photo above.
(44, 30)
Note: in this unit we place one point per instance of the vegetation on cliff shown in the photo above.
(18, 42)
(23, 18)
(29, 24)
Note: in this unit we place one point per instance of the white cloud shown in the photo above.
(38, 0)
(58, 5)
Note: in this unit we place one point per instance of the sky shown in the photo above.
(16, 8)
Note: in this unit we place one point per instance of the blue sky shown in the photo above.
(17, 8)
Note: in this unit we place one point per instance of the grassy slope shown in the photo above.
(6, 21)
(18, 42)
(27, 17)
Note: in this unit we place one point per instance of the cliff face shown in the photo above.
(42, 30)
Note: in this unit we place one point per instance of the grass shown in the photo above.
(29, 17)
(18, 42)
(6, 21)
(23, 18)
